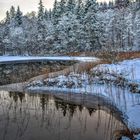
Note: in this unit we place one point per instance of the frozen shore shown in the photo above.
(21, 59)
(117, 82)
(102, 83)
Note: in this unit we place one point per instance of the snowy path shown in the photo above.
(21, 59)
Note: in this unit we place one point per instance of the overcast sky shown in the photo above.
(25, 5)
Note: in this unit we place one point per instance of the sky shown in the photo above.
(25, 5)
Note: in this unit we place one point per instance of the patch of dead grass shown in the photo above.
(109, 56)
(105, 56)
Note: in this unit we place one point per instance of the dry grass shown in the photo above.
(76, 68)
(109, 57)
(128, 55)
(105, 56)
(87, 66)
(119, 133)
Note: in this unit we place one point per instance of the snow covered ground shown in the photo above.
(129, 69)
(125, 74)
(20, 59)
(124, 99)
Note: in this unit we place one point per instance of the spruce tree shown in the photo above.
(70, 6)
(91, 9)
(122, 3)
(110, 4)
(55, 13)
(79, 10)
(62, 6)
(50, 14)
(58, 11)
(12, 12)
(40, 11)
(41, 22)
(18, 17)
(46, 14)
(92, 25)
(7, 21)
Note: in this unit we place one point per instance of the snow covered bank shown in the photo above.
(122, 98)
(129, 69)
(125, 74)
(20, 59)
(102, 81)
(70, 81)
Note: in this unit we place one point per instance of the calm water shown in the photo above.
(43, 117)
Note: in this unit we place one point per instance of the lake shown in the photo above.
(42, 116)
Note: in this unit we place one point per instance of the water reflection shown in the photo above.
(39, 116)
(21, 72)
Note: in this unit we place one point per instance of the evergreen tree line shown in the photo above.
(71, 26)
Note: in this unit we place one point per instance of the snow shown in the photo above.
(125, 138)
(129, 69)
(125, 101)
(73, 80)
(137, 137)
(20, 59)
(133, 116)
(16, 31)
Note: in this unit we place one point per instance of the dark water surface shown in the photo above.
(21, 72)
(43, 117)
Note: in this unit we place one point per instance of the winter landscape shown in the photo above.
(70, 72)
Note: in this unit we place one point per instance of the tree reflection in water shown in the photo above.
(40, 116)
